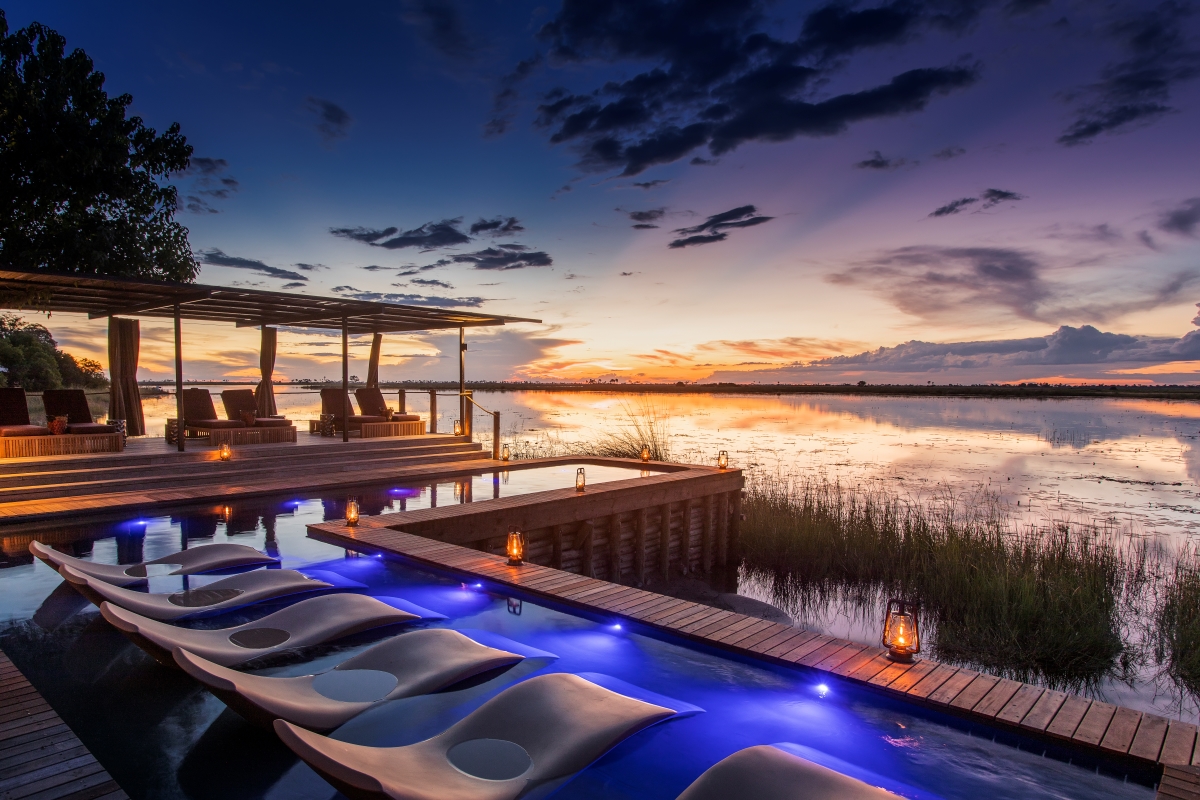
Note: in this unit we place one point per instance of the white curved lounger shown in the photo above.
(538, 732)
(309, 622)
(410, 664)
(218, 597)
(768, 773)
(197, 560)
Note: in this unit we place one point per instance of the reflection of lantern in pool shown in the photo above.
(505, 454)
(645, 453)
(900, 633)
(580, 480)
(225, 452)
(352, 511)
(516, 547)
(723, 459)
(226, 514)
(458, 427)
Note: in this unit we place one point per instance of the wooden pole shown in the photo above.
(584, 542)
(556, 546)
(345, 379)
(495, 435)
(433, 410)
(401, 402)
(181, 424)
(462, 375)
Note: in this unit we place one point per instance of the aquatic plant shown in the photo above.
(1176, 629)
(1044, 603)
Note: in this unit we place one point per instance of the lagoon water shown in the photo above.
(1133, 465)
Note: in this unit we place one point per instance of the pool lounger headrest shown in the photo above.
(310, 622)
(767, 772)
(535, 734)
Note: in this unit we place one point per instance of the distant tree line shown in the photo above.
(30, 358)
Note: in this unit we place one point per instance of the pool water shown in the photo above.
(161, 736)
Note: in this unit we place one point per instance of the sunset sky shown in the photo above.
(727, 191)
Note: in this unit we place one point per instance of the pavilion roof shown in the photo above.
(105, 296)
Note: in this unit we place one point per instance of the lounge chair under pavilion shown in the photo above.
(194, 561)
(335, 401)
(407, 665)
(370, 400)
(73, 404)
(14, 414)
(227, 594)
(241, 404)
(524, 742)
(314, 621)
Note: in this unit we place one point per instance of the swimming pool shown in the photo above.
(159, 735)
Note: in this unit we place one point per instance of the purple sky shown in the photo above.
(686, 191)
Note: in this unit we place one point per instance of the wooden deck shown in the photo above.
(40, 758)
(1104, 729)
(150, 474)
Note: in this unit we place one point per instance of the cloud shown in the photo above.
(217, 258)
(506, 96)
(197, 205)
(206, 166)
(714, 228)
(974, 284)
(650, 184)
(310, 267)
(431, 282)
(500, 226)
(1136, 91)
(504, 257)
(947, 153)
(294, 285)
(440, 24)
(408, 299)
(715, 78)
(644, 220)
(209, 182)
(989, 197)
(333, 121)
(1183, 220)
(877, 161)
(430, 236)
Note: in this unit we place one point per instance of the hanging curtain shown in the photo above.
(373, 366)
(265, 393)
(124, 399)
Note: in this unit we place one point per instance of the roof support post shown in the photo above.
(181, 423)
(462, 377)
(345, 379)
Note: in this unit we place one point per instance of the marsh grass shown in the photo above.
(1048, 603)
(1176, 628)
(641, 423)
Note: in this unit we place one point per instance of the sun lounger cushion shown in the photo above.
(768, 773)
(241, 402)
(90, 428)
(23, 430)
(195, 561)
(410, 664)
(218, 597)
(307, 623)
(69, 403)
(540, 731)
(199, 413)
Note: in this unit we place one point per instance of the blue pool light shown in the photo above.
(822, 690)
(617, 627)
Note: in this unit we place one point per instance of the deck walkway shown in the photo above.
(40, 758)
(1105, 729)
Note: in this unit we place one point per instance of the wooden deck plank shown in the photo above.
(891, 673)
(954, 685)
(789, 643)
(1020, 704)
(1121, 729)
(906, 680)
(849, 666)
(818, 653)
(1044, 710)
(995, 700)
(1150, 737)
(848, 652)
(974, 692)
(870, 669)
(925, 681)
(1069, 715)
(1095, 723)
(1179, 743)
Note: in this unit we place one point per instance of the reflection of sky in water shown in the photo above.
(162, 736)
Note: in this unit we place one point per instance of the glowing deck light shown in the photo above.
(352, 511)
(458, 429)
(505, 453)
(225, 452)
(516, 547)
(901, 635)
(645, 453)
(723, 459)
(580, 480)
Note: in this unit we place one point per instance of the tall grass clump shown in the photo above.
(1177, 623)
(642, 424)
(1041, 603)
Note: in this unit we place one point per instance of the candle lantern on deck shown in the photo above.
(505, 453)
(458, 429)
(225, 452)
(723, 459)
(645, 453)
(901, 635)
(516, 547)
(352, 511)
(580, 480)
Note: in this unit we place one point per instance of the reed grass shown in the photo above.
(1176, 629)
(641, 423)
(1044, 603)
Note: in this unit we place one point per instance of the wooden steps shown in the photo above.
(40, 757)
(151, 475)
(1110, 731)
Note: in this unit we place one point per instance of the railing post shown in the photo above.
(400, 395)
(433, 410)
(495, 435)
(468, 415)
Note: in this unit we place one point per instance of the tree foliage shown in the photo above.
(82, 187)
(29, 357)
